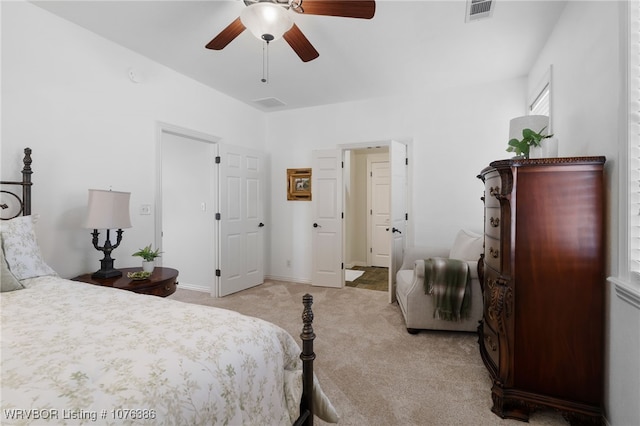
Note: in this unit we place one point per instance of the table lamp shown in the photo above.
(107, 210)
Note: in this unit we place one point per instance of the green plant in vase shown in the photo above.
(147, 253)
(529, 139)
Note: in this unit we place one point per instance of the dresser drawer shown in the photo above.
(491, 345)
(492, 186)
(492, 222)
(492, 254)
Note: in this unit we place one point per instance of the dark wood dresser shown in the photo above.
(542, 275)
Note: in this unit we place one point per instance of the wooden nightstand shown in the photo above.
(162, 282)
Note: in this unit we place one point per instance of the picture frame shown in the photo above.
(299, 184)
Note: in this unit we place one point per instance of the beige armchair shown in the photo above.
(417, 306)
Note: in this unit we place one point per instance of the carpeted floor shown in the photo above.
(374, 278)
(374, 372)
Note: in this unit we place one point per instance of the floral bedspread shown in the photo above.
(74, 353)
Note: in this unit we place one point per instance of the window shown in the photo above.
(540, 98)
(633, 166)
(540, 105)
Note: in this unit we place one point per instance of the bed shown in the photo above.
(74, 353)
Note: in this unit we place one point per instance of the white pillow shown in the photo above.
(21, 249)
(466, 246)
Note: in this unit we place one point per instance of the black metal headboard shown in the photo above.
(23, 202)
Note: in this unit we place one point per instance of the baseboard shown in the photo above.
(287, 279)
(194, 287)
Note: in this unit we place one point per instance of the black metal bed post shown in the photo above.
(307, 356)
(26, 182)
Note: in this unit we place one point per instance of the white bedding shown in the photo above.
(74, 353)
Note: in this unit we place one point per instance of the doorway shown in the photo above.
(330, 244)
(209, 211)
(367, 217)
(187, 199)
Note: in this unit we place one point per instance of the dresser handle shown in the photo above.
(495, 221)
(494, 253)
(494, 191)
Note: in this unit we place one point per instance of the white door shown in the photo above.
(241, 249)
(379, 211)
(398, 160)
(326, 199)
(186, 217)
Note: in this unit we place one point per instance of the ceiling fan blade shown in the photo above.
(364, 9)
(300, 44)
(227, 35)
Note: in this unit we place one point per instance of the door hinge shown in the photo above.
(370, 249)
(218, 159)
(406, 161)
(342, 266)
(342, 215)
(342, 164)
(218, 216)
(218, 273)
(406, 216)
(371, 212)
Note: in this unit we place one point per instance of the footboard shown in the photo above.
(307, 356)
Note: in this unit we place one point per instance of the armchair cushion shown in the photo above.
(466, 246)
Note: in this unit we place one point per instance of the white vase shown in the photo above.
(148, 265)
(548, 148)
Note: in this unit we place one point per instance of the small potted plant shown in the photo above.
(148, 256)
(529, 139)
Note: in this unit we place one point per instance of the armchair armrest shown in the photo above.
(420, 253)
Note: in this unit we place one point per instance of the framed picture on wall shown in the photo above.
(299, 184)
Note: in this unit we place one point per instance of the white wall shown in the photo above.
(66, 94)
(455, 133)
(585, 50)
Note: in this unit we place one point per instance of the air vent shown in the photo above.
(479, 9)
(269, 102)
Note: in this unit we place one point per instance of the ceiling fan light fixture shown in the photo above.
(267, 21)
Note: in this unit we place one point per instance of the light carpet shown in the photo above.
(374, 372)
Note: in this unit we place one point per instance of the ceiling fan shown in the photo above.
(270, 19)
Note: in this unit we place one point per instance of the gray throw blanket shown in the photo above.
(449, 283)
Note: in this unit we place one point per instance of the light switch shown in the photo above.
(145, 209)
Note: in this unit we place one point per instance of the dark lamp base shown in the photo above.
(106, 273)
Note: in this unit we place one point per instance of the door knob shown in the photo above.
(260, 225)
(315, 225)
(396, 230)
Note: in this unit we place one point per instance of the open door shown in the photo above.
(241, 216)
(326, 241)
(398, 161)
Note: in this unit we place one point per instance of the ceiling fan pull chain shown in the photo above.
(265, 62)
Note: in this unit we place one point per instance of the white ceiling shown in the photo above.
(408, 44)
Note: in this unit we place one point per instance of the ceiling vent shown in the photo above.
(269, 102)
(479, 9)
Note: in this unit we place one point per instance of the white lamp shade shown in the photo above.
(108, 210)
(533, 122)
(266, 18)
